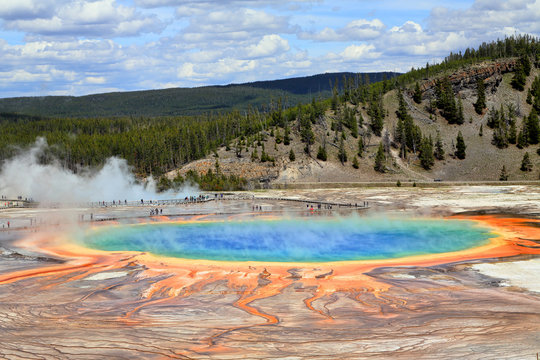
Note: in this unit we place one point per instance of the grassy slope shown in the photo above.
(483, 161)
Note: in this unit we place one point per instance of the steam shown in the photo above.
(23, 175)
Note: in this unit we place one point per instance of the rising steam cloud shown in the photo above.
(23, 175)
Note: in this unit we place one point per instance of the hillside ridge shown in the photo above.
(185, 101)
(484, 161)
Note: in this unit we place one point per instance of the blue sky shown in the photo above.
(77, 47)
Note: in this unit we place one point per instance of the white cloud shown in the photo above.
(356, 30)
(18, 76)
(488, 18)
(408, 27)
(223, 3)
(359, 52)
(268, 46)
(501, 5)
(411, 39)
(26, 9)
(233, 25)
(95, 80)
(101, 18)
(186, 71)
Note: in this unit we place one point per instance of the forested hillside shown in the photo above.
(472, 117)
(187, 101)
(322, 83)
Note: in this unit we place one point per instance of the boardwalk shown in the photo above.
(52, 214)
(225, 197)
(11, 203)
(16, 203)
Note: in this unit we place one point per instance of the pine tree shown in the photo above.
(401, 112)
(355, 163)
(238, 149)
(439, 150)
(529, 97)
(426, 154)
(460, 118)
(342, 154)
(417, 97)
(412, 134)
(386, 141)
(500, 138)
(480, 103)
(321, 153)
(519, 79)
(380, 159)
(447, 102)
(360, 147)
(522, 141)
(460, 146)
(279, 139)
(526, 64)
(292, 157)
(481, 132)
(526, 164)
(512, 133)
(306, 133)
(403, 145)
(335, 100)
(254, 155)
(504, 174)
(354, 125)
(287, 136)
(360, 120)
(377, 123)
(398, 131)
(533, 127)
(376, 113)
(493, 118)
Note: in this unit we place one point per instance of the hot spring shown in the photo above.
(293, 240)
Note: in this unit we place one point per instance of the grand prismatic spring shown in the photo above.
(196, 283)
(311, 240)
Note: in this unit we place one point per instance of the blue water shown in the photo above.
(299, 240)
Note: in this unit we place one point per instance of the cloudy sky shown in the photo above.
(77, 47)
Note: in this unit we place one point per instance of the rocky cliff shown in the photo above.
(490, 72)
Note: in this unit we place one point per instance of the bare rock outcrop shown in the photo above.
(466, 78)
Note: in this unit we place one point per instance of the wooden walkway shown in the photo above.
(7, 204)
(363, 204)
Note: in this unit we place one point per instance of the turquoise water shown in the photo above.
(299, 240)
